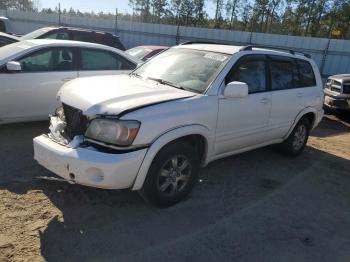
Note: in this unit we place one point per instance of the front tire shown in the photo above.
(296, 141)
(172, 175)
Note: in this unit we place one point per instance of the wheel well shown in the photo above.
(311, 117)
(199, 142)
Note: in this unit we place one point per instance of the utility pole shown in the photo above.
(59, 13)
(116, 21)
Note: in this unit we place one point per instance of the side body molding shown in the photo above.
(166, 138)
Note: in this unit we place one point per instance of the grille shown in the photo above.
(346, 87)
(335, 86)
(76, 122)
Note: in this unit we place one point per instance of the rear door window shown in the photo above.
(306, 76)
(282, 71)
(57, 35)
(84, 37)
(93, 59)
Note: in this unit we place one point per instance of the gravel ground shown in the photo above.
(257, 206)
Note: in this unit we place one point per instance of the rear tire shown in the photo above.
(172, 175)
(296, 141)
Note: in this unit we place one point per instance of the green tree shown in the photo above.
(159, 8)
(231, 9)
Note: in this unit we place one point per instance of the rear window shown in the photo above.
(92, 59)
(306, 75)
(84, 37)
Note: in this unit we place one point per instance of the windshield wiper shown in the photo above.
(164, 82)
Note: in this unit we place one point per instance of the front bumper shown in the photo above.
(87, 166)
(337, 103)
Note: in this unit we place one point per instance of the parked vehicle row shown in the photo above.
(32, 72)
(123, 120)
(67, 33)
(33, 69)
(153, 129)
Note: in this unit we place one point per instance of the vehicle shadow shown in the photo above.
(332, 125)
(98, 225)
(107, 225)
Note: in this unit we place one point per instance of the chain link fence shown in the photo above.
(331, 55)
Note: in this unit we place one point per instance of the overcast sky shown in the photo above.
(100, 5)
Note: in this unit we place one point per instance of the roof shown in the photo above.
(232, 49)
(78, 29)
(154, 47)
(226, 49)
(55, 42)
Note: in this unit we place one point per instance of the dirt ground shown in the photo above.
(257, 206)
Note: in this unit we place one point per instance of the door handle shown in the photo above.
(300, 95)
(67, 79)
(264, 100)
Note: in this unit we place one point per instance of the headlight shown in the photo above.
(113, 131)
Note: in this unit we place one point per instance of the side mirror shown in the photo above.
(13, 66)
(236, 90)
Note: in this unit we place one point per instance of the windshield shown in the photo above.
(138, 52)
(187, 69)
(35, 34)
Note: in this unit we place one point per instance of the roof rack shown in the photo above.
(205, 42)
(291, 51)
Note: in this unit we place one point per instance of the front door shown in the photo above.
(242, 122)
(31, 93)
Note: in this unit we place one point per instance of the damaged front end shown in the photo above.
(68, 126)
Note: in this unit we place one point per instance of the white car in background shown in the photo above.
(31, 73)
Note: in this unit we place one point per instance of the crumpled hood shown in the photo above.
(113, 95)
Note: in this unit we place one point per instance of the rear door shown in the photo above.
(31, 93)
(94, 62)
(287, 98)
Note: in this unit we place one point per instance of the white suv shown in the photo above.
(152, 130)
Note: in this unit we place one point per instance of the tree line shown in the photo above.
(317, 18)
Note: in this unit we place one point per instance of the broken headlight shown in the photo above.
(113, 131)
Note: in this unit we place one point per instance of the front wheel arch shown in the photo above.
(182, 133)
